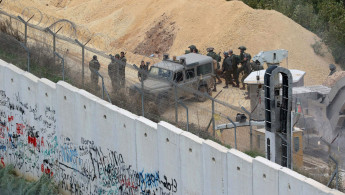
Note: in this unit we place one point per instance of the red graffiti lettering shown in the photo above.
(10, 118)
(42, 142)
(42, 168)
(20, 128)
(32, 140)
(2, 161)
(47, 171)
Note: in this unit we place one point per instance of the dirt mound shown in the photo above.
(148, 26)
(158, 39)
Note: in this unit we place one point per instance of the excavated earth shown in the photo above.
(163, 26)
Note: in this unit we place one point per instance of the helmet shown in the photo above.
(94, 57)
(209, 49)
(117, 56)
(192, 47)
(242, 48)
(226, 53)
(332, 67)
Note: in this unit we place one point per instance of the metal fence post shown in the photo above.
(176, 105)
(82, 59)
(63, 65)
(54, 38)
(213, 121)
(182, 104)
(234, 131)
(26, 27)
(28, 52)
(142, 97)
(250, 126)
(335, 173)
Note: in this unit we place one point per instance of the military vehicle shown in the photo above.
(189, 71)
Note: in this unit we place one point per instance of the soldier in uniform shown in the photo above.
(256, 66)
(94, 67)
(144, 67)
(234, 61)
(245, 68)
(333, 69)
(216, 59)
(113, 71)
(193, 49)
(227, 69)
(122, 69)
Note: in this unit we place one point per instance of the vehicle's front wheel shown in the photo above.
(203, 89)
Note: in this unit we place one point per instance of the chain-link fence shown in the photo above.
(70, 47)
(59, 49)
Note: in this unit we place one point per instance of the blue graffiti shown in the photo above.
(3, 147)
(148, 180)
(69, 155)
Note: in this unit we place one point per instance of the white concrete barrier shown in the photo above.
(290, 182)
(265, 177)
(192, 177)
(85, 107)
(169, 157)
(311, 186)
(92, 147)
(215, 168)
(240, 173)
(147, 155)
(125, 136)
(66, 112)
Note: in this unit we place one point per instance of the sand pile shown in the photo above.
(147, 26)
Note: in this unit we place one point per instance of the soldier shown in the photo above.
(122, 69)
(144, 68)
(333, 69)
(234, 61)
(227, 68)
(94, 67)
(245, 68)
(216, 59)
(193, 49)
(186, 52)
(256, 66)
(113, 71)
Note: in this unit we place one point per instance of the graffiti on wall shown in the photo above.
(26, 135)
(28, 140)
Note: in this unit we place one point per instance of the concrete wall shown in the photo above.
(92, 147)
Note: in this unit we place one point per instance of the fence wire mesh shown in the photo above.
(310, 152)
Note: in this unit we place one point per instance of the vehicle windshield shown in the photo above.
(155, 71)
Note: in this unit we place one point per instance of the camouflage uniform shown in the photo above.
(216, 58)
(122, 71)
(94, 67)
(227, 68)
(144, 67)
(255, 66)
(245, 61)
(234, 61)
(113, 71)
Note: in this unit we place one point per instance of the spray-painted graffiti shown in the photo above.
(28, 140)
(22, 135)
(106, 172)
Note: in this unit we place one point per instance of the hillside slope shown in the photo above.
(148, 26)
